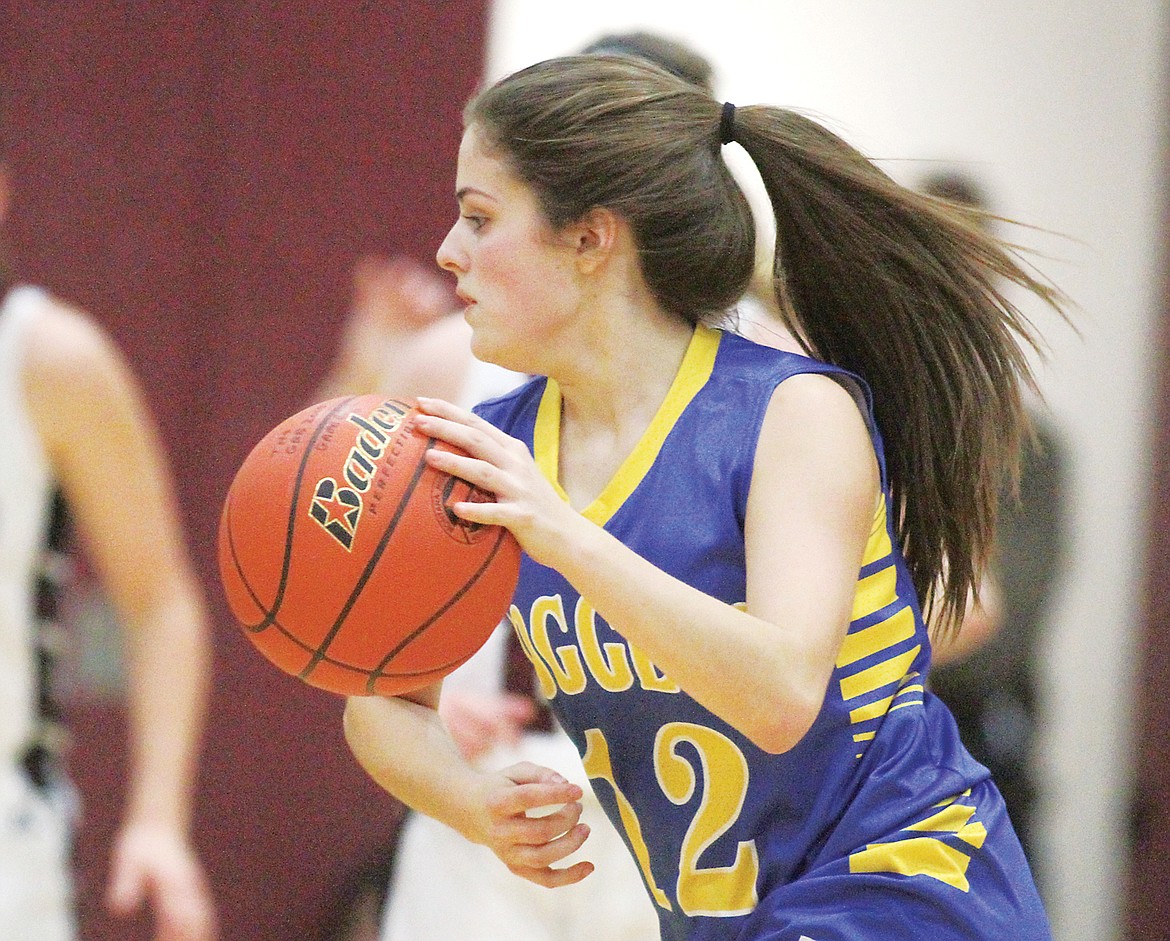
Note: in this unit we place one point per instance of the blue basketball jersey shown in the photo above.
(877, 824)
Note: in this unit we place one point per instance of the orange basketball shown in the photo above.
(342, 560)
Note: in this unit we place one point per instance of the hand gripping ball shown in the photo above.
(342, 561)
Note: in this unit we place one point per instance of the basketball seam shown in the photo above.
(377, 673)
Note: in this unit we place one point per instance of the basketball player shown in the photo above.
(73, 417)
(725, 566)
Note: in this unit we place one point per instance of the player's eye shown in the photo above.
(476, 222)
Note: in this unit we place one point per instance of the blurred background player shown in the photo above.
(78, 437)
(989, 678)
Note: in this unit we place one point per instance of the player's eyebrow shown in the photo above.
(471, 191)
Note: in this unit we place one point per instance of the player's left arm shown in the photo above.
(402, 743)
(106, 453)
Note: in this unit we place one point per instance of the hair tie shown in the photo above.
(727, 123)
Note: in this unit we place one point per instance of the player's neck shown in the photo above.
(604, 419)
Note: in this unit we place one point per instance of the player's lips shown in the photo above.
(467, 301)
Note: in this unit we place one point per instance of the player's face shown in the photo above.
(515, 275)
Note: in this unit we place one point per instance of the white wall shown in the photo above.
(1058, 107)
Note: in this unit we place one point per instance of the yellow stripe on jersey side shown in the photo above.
(871, 710)
(920, 856)
(881, 636)
(956, 819)
(879, 545)
(875, 592)
(696, 368)
(928, 855)
(879, 675)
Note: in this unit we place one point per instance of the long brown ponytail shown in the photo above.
(906, 291)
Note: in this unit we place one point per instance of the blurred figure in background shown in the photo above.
(989, 678)
(78, 435)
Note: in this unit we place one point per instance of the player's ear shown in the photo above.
(595, 236)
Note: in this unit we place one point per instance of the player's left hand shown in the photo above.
(531, 827)
(155, 864)
(526, 503)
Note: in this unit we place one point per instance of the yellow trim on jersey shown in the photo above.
(879, 545)
(546, 436)
(879, 675)
(874, 592)
(880, 636)
(920, 856)
(872, 710)
(697, 365)
(926, 855)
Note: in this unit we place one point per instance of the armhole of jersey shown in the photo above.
(864, 402)
(861, 396)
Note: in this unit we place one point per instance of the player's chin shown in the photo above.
(490, 345)
(483, 345)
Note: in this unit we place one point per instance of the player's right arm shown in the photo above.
(403, 745)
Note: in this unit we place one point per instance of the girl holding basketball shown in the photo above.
(729, 548)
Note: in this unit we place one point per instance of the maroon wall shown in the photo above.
(201, 177)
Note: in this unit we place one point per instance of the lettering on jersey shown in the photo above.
(875, 661)
(944, 857)
(568, 653)
(702, 769)
(337, 506)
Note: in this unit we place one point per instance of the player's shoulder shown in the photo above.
(738, 353)
(64, 338)
(772, 371)
(70, 361)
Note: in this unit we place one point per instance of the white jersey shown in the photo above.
(36, 902)
(26, 488)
